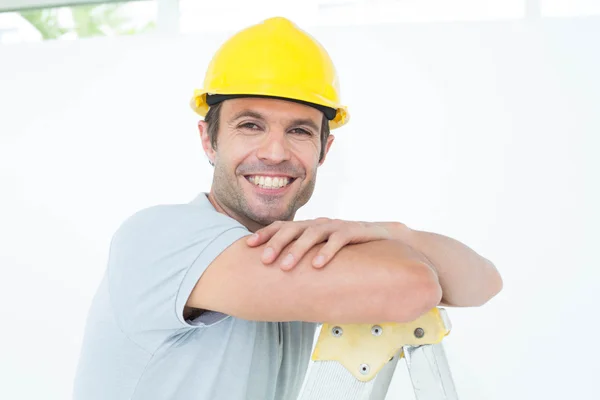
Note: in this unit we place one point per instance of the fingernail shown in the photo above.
(287, 260)
(319, 260)
(268, 253)
(254, 237)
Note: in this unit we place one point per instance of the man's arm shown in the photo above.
(378, 281)
(467, 279)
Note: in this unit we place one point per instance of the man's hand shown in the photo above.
(336, 233)
(467, 279)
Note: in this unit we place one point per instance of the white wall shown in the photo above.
(485, 132)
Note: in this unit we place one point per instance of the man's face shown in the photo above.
(266, 158)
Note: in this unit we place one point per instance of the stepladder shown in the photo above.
(358, 361)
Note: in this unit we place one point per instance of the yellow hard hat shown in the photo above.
(273, 59)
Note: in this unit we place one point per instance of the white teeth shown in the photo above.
(269, 182)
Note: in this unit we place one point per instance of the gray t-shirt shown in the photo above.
(138, 345)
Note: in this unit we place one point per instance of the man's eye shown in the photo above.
(301, 131)
(249, 125)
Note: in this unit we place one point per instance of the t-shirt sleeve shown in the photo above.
(156, 258)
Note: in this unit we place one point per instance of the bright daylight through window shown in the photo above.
(29, 20)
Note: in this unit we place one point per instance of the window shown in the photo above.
(569, 8)
(125, 17)
(393, 11)
(80, 21)
(199, 16)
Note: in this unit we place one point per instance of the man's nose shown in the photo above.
(274, 149)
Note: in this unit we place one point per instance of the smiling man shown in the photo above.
(267, 159)
(219, 298)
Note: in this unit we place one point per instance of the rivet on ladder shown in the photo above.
(376, 330)
(337, 331)
(364, 369)
(419, 333)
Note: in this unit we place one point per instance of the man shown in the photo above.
(219, 298)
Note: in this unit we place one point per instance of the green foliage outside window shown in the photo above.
(87, 21)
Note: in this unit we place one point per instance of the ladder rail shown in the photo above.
(430, 372)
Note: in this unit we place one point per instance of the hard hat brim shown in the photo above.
(200, 102)
(213, 99)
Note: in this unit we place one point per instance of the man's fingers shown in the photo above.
(312, 236)
(308, 234)
(264, 234)
(335, 242)
(279, 240)
(351, 234)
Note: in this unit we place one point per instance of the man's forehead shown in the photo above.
(269, 108)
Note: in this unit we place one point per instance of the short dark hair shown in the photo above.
(213, 121)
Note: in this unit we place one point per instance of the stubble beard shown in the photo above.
(231, 196)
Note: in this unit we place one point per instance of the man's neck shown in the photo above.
(252, 226)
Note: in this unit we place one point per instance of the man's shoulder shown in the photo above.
(172, 213)
(175, 219)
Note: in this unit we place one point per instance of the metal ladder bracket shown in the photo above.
(364, 349)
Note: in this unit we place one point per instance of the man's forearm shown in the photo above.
(467, 279)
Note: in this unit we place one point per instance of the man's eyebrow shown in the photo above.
(246, 113)
(307, 122)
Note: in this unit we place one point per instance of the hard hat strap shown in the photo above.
(212, 99)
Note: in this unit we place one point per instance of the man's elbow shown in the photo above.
(493, 286)
(478, 294)
(411, 300)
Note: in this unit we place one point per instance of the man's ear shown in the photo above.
(206, 145)
(330, 139)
